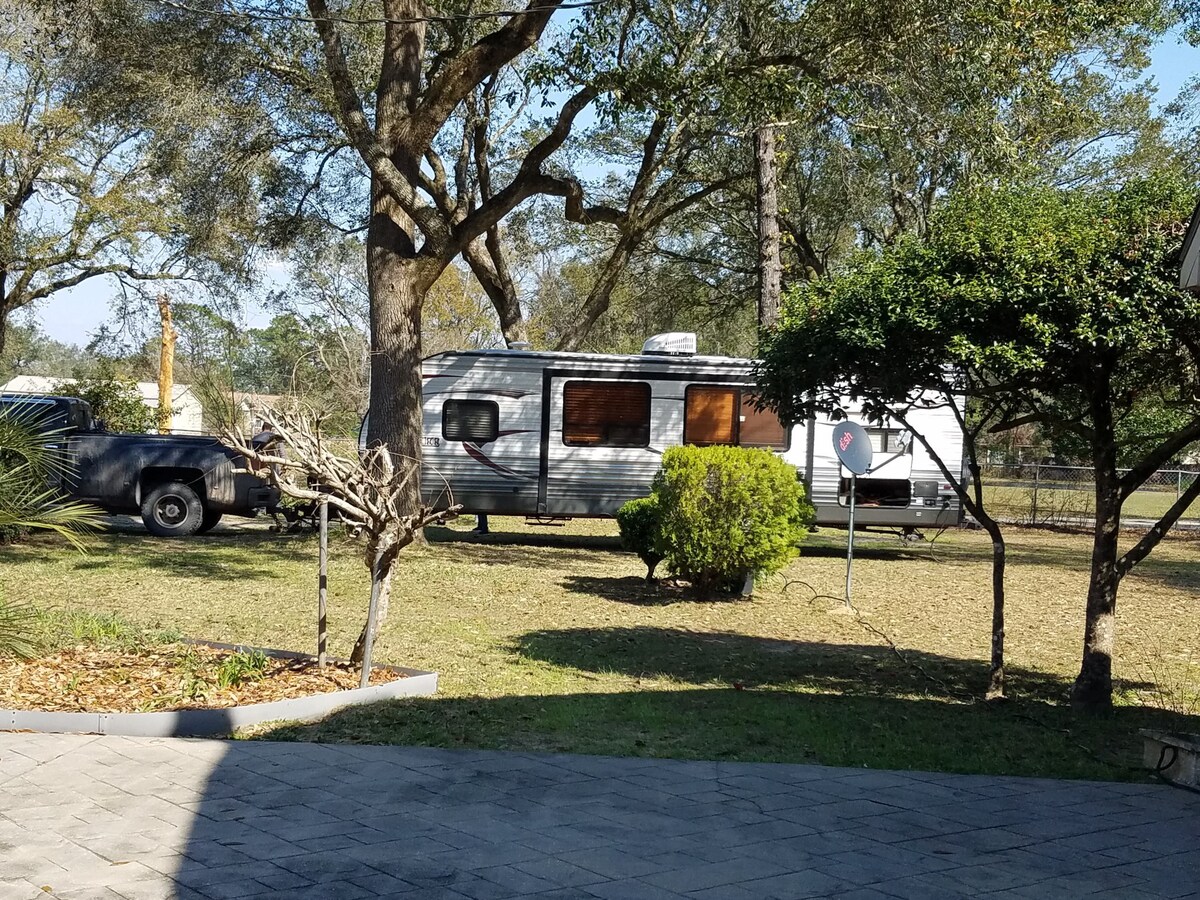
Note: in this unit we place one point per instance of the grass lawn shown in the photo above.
(1063, 504)
(548, 639)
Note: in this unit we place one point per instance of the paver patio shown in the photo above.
(135, 819)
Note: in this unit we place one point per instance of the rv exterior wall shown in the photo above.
(590, 458)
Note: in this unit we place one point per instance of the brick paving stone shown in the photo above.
(151, 819)
(797, 885)
(616, 863)
(709, 875)
(630, 889)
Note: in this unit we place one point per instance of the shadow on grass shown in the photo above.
(707, 658)
(518, 539)
(519, 549)
(192, 562)
(249, 553)
(764, 726)
(1178, 574)
(636, 590)
(875, 549)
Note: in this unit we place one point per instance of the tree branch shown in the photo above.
(361, 134)
(1156, 458)
(1158, 531)
(486, 57)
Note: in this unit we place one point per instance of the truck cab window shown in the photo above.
(606, 414)
(477, 421)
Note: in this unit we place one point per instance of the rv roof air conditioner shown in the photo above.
(673, 343)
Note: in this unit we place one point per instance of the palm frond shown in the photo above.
(30, 464)
(26, 441)
(18, 621)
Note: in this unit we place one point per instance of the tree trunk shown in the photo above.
(166, 364)
(3, 318)
(1092, 691)
(995, 688)
(397, 290)
(396, 279)
(381, 579)
(491, 271)
(770, 267)
(971, 496)
(600, 296)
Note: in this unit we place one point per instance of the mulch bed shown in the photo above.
(161, 678)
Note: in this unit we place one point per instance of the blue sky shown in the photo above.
(74, 316)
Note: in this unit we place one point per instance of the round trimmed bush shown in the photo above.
(728, 511)
(641, 531)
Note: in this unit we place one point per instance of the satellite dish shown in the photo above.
(852, 445)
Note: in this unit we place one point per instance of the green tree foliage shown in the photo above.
(30, 351)
(100, 171)
(1058, 308)
(114, 398)
(640, 522)
(880, 110)
(726, 512)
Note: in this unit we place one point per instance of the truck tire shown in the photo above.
(210, 521)
(172, 509)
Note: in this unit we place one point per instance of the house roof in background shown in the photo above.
(44, 384)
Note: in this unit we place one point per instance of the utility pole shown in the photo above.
(166, 364)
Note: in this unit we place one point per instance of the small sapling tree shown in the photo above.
(367, 489)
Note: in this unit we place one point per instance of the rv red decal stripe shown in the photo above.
(478, 455)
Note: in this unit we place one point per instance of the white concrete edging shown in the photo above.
(212, 722)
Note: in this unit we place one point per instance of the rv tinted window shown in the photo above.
(884, 440)
(606, 414)
(760, 427)
(710, 415)
(477, 421)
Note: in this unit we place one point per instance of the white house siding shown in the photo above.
(188, 416)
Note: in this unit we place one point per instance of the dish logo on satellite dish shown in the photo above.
(845, 441)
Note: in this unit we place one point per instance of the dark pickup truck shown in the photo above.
(180, 485)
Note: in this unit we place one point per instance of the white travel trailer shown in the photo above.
(556, 435)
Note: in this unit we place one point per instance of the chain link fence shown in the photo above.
(1039, 494)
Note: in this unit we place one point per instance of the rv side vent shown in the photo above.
(673, 343)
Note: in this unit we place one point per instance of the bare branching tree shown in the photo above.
(368, 490)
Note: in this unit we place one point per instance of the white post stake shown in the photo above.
(372, 618)
(322, 583)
